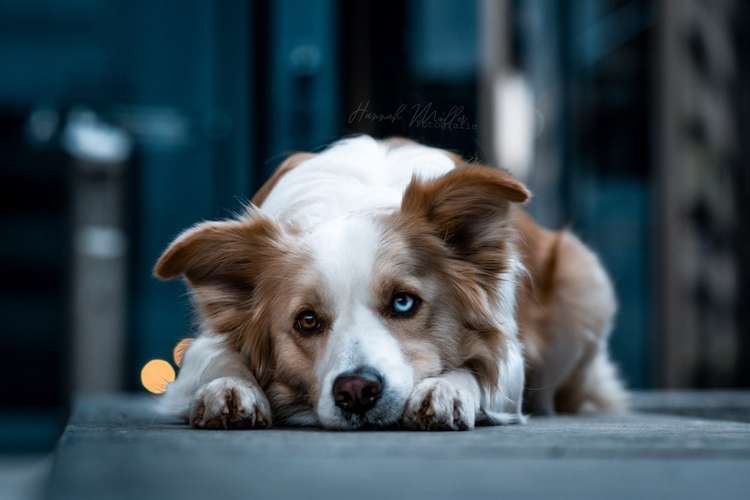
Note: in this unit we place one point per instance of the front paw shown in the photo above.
(230, 403)
(438, 404)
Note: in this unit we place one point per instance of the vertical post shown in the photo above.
(695, 207)
(100, 153)
(494, 32)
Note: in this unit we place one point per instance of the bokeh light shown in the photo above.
(156, 375)
(179, 350)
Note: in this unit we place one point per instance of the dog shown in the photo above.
(384, 283)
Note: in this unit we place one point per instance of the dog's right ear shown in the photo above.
(225, 252)
(224, 264)
(469, 209)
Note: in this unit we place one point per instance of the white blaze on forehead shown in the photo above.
(344, 254)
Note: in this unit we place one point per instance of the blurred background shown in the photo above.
(124, 122)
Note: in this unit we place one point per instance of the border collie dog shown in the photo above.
(387, 283)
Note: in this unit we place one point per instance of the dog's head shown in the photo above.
(339, 322)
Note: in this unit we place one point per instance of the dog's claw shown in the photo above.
(230, 403)
(436, 404)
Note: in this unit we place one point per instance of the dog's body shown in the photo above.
(385, 282)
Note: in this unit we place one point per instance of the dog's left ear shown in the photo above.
(469, 209)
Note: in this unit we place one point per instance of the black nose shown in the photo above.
(357, 391)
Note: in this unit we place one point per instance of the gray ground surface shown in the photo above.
(688, 445)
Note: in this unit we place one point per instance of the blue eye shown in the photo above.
(404, 304)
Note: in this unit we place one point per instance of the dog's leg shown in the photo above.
(457, 401)
(215, 389)
(447, 402)
(594, 387)
(580, 311)
(561, 358)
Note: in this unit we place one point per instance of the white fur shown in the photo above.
(356, 175)
(246, 396)
(503, 403)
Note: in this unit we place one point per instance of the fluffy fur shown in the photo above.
(510, 318)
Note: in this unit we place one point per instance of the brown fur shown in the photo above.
(456, 226)
(237, 270)
(566, 299)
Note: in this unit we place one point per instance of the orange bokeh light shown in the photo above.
(156, 375)
(179, 350)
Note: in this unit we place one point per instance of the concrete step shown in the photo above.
(119, 448)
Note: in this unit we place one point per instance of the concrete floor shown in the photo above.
(23, 477)
(118, 448)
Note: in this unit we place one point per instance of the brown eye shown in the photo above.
(307, 323)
